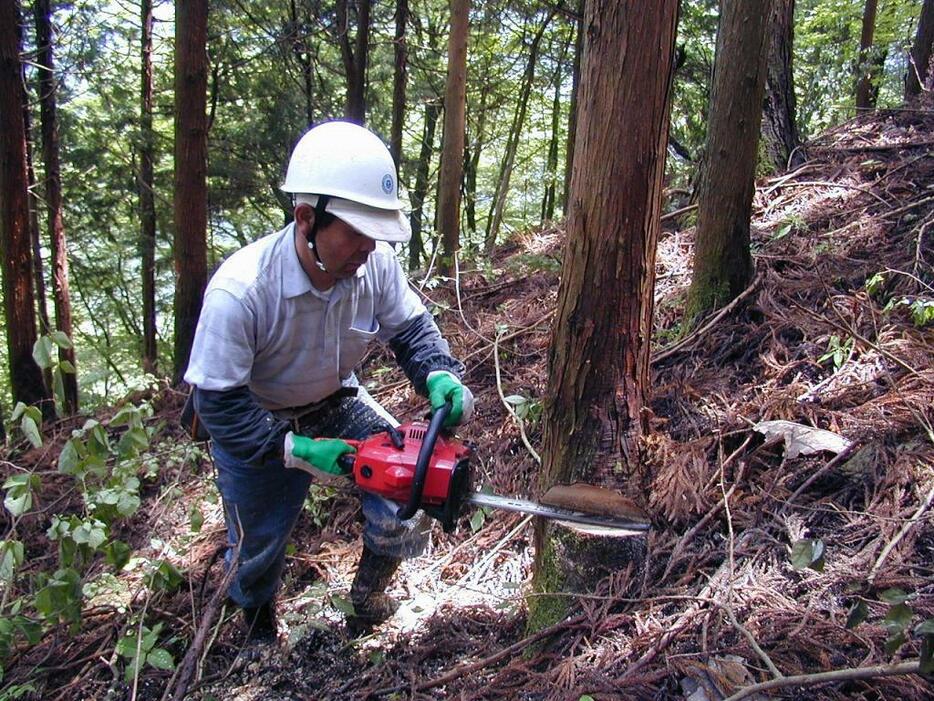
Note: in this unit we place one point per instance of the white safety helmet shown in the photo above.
(354, 169)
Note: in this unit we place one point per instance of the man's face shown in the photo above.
(342, 249)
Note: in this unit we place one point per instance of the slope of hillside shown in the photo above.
(758, 557)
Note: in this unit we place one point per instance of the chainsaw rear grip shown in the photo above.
(424, 459)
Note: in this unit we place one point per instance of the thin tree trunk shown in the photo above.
(472, 164)
(355, 58)
(919, 65)
(599, 358)
(53, 195)
(551, 166)
(722, 260)
(864, 62)
(302, 52)
(779, 125)
(191, 199)
(400, 58)
(420, 191)
(147, 202)
(35, 233)
(512, 144)
(452, 141)
(15, 249)
(572, 106)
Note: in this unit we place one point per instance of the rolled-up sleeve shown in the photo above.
(225, 343)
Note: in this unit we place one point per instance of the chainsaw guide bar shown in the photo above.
(600, 524)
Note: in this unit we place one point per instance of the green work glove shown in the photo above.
(444, 386)
(318, 457)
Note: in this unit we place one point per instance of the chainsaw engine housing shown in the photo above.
(386, 465)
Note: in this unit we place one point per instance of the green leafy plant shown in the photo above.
(838, 351)
(19, 492)
(791, 224)
(30, 418)
(897, 623)
(526, 409)
(138, 647)
(318, 502)
(43, 352)
(808, 553)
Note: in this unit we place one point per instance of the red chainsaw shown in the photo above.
(419, 468)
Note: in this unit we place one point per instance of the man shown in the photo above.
(284, 322)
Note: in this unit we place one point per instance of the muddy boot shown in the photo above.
(260, 623)
(372, 605)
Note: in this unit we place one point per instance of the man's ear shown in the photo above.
(304, 215)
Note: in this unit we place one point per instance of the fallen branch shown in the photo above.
(838, 675)
(512, 412)
(178, 684)
(694, 335)
(825, 183)
(840, 457)
(901, 534)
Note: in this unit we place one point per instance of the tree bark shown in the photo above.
(355, 58)
(572, 107)
(53, 194)
(452, 140)
(147, 201)
(722, 260)
(599, 358)
(865, 64)
(15, 249)
(512, 144)
(919, 64)
(779, 125)
(400, 59)
(420, 191)
(191, 201)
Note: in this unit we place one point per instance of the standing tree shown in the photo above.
(400, 55)
(723, 264)
(599, 358)
(865, 61)
(15, 250)
(420, 191)
(191, 193)
(53, 197)
(512, 143)
(147, 200)
(452, 139)
(920, 61)
(779, 125)
(355, 57)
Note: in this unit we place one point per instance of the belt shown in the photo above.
(296, 414)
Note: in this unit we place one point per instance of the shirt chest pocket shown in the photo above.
(354, 343)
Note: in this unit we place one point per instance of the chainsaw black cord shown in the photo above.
(424, 459)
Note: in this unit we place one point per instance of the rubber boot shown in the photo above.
(260, 623)
(372, 605)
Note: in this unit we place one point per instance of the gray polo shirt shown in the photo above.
(265, 326)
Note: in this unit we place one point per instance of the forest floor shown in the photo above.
(834, 334)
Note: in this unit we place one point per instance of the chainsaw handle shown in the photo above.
(424, 460)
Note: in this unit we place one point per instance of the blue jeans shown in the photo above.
(264, 502)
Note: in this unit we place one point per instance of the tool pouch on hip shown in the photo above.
(190, 421)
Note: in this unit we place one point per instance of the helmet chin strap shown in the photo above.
(320, 207)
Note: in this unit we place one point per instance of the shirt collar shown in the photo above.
(295, 280)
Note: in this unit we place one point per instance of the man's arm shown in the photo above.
(238, 425)
(420, 349)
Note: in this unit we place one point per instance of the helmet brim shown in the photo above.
(391, 225)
